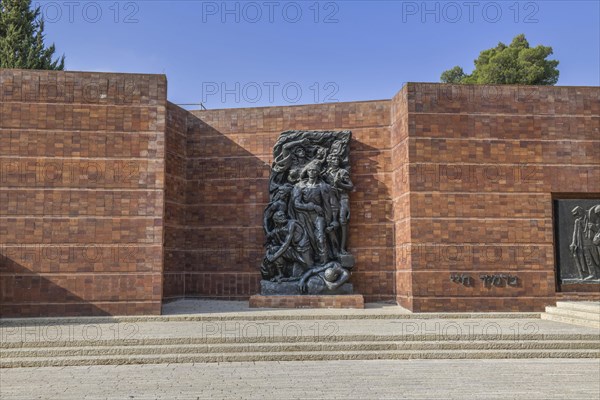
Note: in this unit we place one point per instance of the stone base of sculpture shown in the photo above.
(585, 281)
(308, 301)
(314, 286)
(592, 287)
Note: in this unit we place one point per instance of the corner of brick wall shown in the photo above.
(81, 193)
(484, 164)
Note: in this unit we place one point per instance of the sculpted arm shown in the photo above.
(308, 274)
(289, 146)
(299, 204)
(266, 216)
(345, 184)
(284, 160)
(575, 241)
(285, 245)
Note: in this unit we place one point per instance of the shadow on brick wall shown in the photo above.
(24, 293)
(213, 231)
(371, 238)
(213, 226)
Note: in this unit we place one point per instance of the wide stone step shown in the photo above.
(271, 315)
(593, 317)
(295, 356)
(296, 347)
(194, 340)
(583, 306)
(570, 319)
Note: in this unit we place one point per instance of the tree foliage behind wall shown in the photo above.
(517, 63)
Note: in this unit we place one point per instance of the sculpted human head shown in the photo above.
(336, 147)
(333, 160)
(321, 151)
(577, 211)
(300, 152)
(280, 218)
(312, 170)
(331, 274)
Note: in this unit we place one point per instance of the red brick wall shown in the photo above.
(81, 193)
(485, 163)
(449, 180)
(229, 157)
(401, 199)
(175, 247)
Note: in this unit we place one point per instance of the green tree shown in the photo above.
(514, 64)
(22, 38)
(454, 75)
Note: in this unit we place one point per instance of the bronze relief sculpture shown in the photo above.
(306, 220)
(585, 242)
(577, 241)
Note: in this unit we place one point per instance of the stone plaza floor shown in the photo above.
(559, 379)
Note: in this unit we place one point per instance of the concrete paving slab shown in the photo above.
(376, 379)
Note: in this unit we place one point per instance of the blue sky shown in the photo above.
(245, 53)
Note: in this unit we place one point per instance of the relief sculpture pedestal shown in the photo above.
(307, 301)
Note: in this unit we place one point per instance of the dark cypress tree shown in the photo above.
(22, 38)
